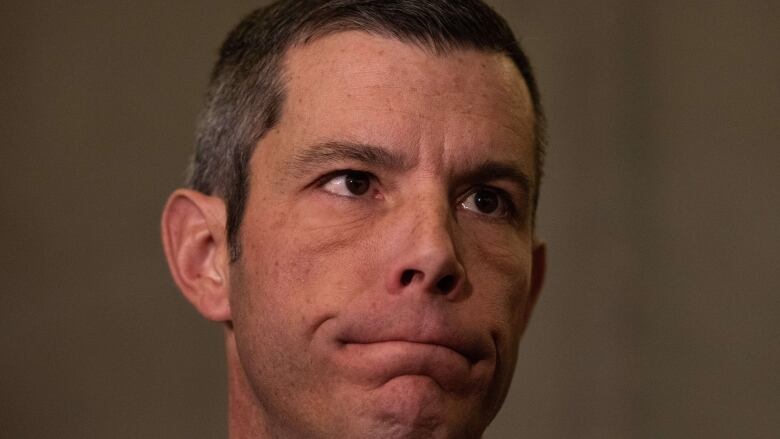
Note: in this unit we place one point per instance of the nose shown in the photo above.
(425, 257)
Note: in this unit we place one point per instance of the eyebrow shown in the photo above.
(315, 155)
(491, 170)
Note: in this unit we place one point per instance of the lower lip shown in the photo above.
(383, 361)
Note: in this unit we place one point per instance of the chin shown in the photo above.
(415, 406)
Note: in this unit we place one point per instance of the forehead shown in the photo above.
(368, 88)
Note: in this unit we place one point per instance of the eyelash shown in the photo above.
(508, 204)
(322, 181)
(509, 207)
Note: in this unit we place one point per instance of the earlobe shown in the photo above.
(193, 233)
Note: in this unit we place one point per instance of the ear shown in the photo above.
(538, 271)
(194, 239)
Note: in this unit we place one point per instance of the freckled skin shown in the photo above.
(313, 260)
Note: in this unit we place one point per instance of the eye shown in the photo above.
(348, 184)
(486, 201)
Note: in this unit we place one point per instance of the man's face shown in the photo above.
(387, 267)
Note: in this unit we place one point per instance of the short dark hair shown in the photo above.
(246, 91)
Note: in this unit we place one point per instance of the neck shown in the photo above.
(245, 418)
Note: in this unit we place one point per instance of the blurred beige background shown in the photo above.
(661, 209)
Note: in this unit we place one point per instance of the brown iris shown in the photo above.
(357, 183)
(486, 201)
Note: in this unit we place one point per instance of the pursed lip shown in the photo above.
(469, 346)
(459, 357)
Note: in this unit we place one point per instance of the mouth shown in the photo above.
(470, 354)
(471, 346)
(382, 361)
(378, 350)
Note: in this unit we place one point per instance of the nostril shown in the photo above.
(446, 284)
(407, 276)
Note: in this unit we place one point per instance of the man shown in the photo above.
(361, 217)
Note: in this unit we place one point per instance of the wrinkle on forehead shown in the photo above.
(403, 95)
(424, 74)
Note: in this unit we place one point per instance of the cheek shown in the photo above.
(290, 278)
(499, 269)
(293, 275)
(306, 260)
